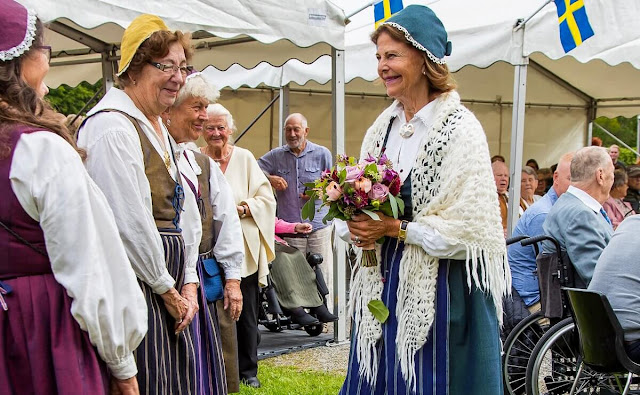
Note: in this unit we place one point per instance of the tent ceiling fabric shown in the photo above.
(605, 67)
(290, 31)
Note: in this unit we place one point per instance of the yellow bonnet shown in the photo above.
(139, 30)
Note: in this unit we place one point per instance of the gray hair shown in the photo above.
(530, 171)
(197, 85)
(586, 161)
(619, 178)
(216, 110)
(303, 119)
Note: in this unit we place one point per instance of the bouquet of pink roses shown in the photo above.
(352, 187)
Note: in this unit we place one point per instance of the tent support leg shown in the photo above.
(517, 141)
(337, 147)
(284, 112)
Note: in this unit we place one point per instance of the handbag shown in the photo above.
(212, 281)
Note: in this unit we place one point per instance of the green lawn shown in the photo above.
(286, 380)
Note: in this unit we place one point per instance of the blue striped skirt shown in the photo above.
(170, 363)
(462, 352)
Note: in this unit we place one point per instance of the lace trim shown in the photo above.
(416, 44)
(24, 46)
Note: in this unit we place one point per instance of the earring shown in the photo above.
(134, 82)
(168, 122)
(424, 72)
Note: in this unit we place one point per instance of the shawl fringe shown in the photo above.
(459, 201)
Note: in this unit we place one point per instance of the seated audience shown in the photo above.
(617, 275)
(633, 193)
(501, 178)
(522, 260)
(528, 186)
(532, 163)
(497, 158)
(577, 220)
(616, 208)
(597, 141)
(545, 180)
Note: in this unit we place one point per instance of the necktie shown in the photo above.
(604, 214)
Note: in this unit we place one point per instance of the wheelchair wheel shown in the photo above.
(554, 364)
(517, 351)
(314, 330)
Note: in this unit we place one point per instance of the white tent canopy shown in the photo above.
(226, 32)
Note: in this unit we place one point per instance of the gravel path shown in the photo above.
(333, 359)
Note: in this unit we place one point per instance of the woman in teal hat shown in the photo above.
(443, 271)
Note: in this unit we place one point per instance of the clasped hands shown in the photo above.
(366, 230)
(182, 306)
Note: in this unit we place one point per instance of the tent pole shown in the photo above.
(638, 136)
(284, 113)
(517, 136)
(107, 72)
(340, 247)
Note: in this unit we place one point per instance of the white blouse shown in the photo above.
(228, 243)
(403, 152)
(84, 247)
(116, 164)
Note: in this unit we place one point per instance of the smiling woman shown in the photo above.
(131, 157)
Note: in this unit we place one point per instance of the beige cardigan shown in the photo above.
(251, 186)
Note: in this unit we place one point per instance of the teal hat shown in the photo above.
(424, 30)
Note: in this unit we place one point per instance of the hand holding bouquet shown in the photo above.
(352, 187)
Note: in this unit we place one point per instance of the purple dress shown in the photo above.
(42, 348)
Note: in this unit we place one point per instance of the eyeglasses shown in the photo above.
(47, 51)
(171, 68)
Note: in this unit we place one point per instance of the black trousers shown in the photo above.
(247, 328)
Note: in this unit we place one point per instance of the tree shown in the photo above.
(70, 100)
(623, 128)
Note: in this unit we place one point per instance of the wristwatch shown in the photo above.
(244, 211)
(402, 232)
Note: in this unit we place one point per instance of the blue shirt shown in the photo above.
(297, 171)
(522, 260)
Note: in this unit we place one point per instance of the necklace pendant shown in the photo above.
(406, 130)
(167, 160)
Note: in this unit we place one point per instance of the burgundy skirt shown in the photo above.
(42, 348)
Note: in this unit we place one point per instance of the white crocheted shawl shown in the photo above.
(453, 192)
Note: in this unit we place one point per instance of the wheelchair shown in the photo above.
(541, 358)
(275, 318)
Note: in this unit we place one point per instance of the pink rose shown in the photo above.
(363, 184)
(353, 173)
(379, 192)
(333, 191)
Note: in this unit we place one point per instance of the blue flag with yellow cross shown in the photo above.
(574, 23)
(382, 10)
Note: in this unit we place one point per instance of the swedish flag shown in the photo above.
(382, 10)
(574, 23)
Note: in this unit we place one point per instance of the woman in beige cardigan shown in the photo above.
(256, 207)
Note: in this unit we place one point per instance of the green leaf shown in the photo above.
(394, 207)
(379, 310)
(385, 208)
(371, 214)
(400, 204)
(309, 210)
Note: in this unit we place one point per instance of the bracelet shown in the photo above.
(244, 211)
(402, 231)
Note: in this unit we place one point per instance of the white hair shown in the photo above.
(586, 161)
(197, 85)
(216, 110)
(303, 119)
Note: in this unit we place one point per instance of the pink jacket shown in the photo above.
(617, 210)
(283, 226)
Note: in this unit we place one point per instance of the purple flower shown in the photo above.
(388, 176)
(353, 173)
(360, 199)
(379, 192)
(370, 159)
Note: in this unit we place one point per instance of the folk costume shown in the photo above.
(222, 239)
(141, 178)
(250, 186)
(66, 287)
(444, 285)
